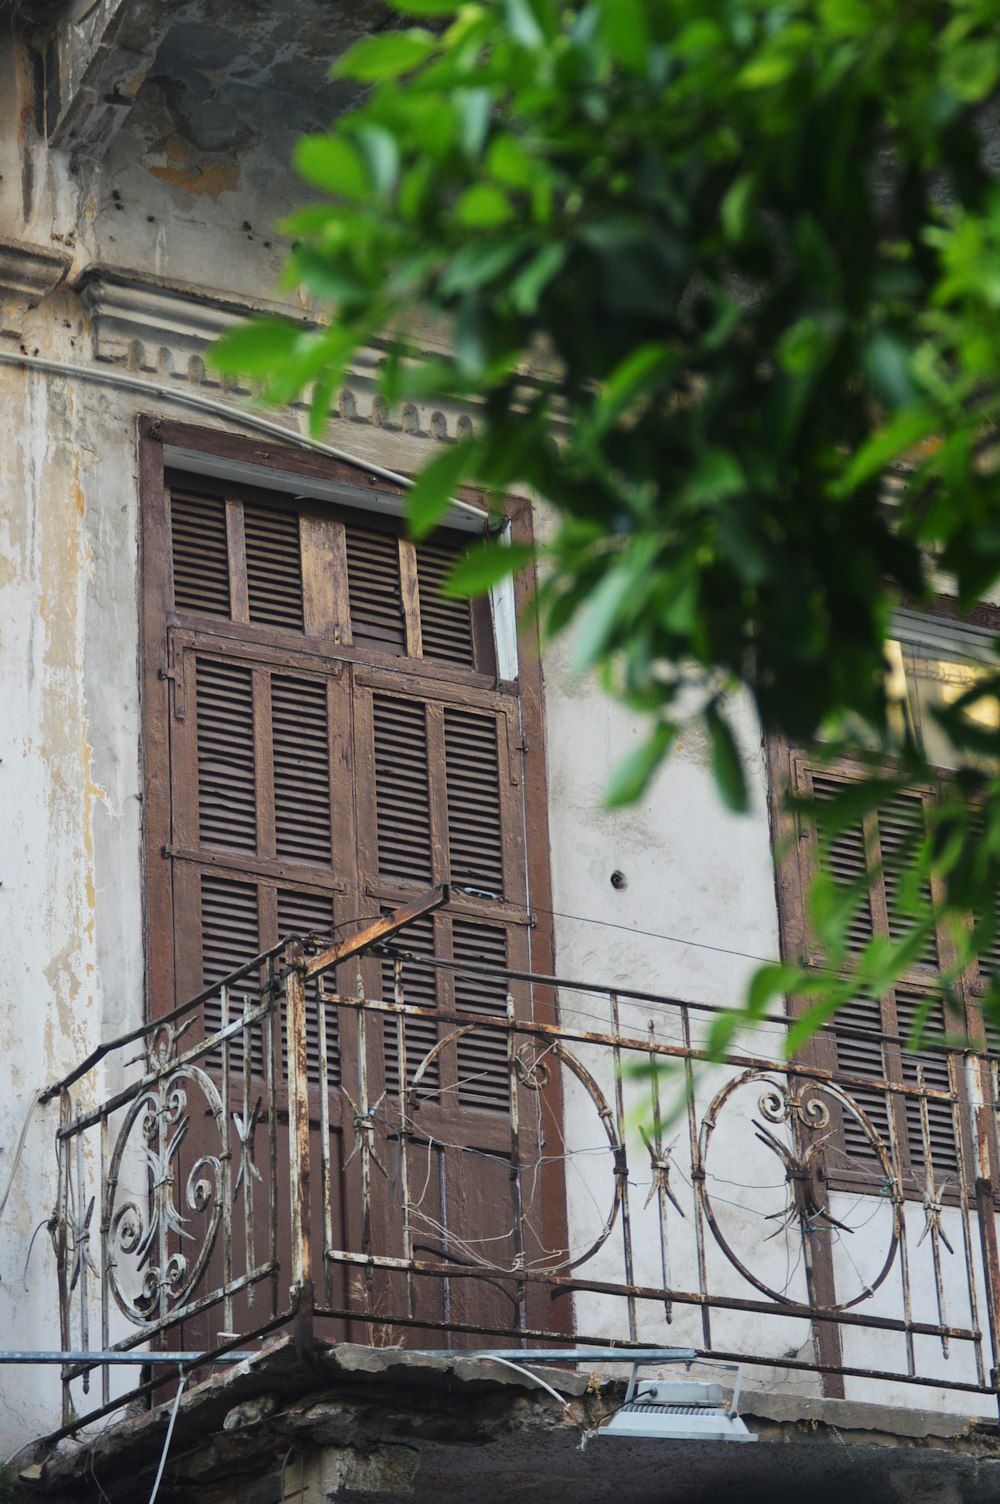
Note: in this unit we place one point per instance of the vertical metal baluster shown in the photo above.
(326, 1173)
(621, 1168)
(246, 1149)
(226, 1157)
(899, 1212)
(515, 1162)
(271, 1028)
(697, 1180)
(959, 1129)
(930, 1209)
(661, 1196)
(404, 1134)
(105, 1314)
(80, 1251)
(298, 1117)
(62, 1205)
(976, 1069)
(362, 1129)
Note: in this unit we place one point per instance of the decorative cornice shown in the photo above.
(27, 274)
(164, 328)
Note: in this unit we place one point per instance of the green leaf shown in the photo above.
(255, 348)
(626, 31)
(437, 482)
(381, 58)
(381, 154)
(527, 287)
(630, 378)
(632, 777)
(424, 7)
(484, 206)
(479, 262)
(331, 162)
(484, 566)
(727, 764)
(769, 982)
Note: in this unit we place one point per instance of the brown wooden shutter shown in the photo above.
(200, 553)
(446, 623)
(301, 769)
(273, 567)
(874, 850)
(482, 1055)
(227, 799)
(376, 598)
(402, 789)
(472, 775)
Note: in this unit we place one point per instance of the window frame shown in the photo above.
(793, 843)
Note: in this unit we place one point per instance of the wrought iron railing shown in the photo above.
(279, 1151)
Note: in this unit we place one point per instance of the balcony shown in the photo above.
(303, 1146)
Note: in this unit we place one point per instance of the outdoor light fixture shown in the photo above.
(678, 1410)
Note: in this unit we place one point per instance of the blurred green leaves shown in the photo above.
(714, 271)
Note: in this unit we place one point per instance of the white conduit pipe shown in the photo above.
(204, 404)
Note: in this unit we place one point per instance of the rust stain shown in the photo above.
(211, 178)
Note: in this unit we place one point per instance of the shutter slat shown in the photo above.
(944, 1150)
(401, 789)
(230, 936)
(857, 1056)
(274, 567)
(374, 591)
(200, 554)
(227, 814)
(482, 1056)
(445, 623)
(475, 836)
(845, 860)
(301, 770)
(901, 828)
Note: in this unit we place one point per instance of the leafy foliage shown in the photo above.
(711, 270)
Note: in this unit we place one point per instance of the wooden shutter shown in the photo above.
(868, 1035)
(445, 623)
(200, 554)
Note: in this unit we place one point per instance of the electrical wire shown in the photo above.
(19, 1150)
(182, 1380)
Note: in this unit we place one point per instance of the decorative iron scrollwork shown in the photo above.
(806, 1107)
(145, 1231)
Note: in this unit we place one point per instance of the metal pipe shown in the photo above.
(221, 410)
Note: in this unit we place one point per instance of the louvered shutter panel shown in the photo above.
(227, 802)
(376, 598)
(472, 775)
(860, 1053)
(200, 553)
(402, 789)
(445, 622)
(230, 936)
(875, 852)
(273, 567)
(940, 1119)
(846, 860)
(900, 830)
(301, 769)
(482, 1054)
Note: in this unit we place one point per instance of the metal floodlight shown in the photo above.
(678, 1410)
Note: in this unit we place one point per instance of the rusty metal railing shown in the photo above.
(298, 1146)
